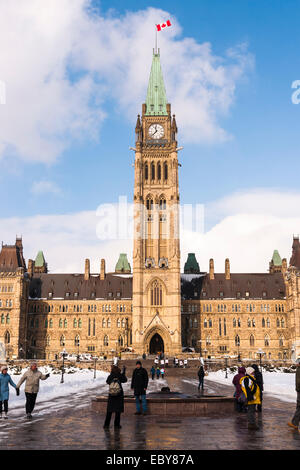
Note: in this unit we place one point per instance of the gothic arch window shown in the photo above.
(108, 323)
(149, 203)
(7, 319)
(156, 293)
(282, 322)
(105, 340)
(75, 323)
(268, 322)
(146, 172)
(208, 341)
(277, 322)
(253, 322)
(118, 323)
(281, 341)
(77, 340)
(62, 340)
(65, 323)
(267, 341)
(103, 323)
(239, 322)
(165, 171)
(252, 340)
(159, 171)
(79, 323)
(120, 340)
(2, 319)
(234, 323)
(249, 322)
(152, 171)
(237, 340)
(205, 323)
(123, 323)
(162, 203)
(263, 323)
(7, 337)
(48, 340)
(94, 327)
(51, 323)
(210, 323)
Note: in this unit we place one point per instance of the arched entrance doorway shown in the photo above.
(156, 344)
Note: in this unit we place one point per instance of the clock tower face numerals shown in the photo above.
(156, 131)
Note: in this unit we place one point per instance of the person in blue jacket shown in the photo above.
(5, 379)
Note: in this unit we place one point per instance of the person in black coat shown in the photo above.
(260, 383)
(115, 403)
(201, 375)
(139, 384)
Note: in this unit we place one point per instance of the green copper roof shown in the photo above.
(191, 265)
(39, 260)
(156, 101)
(276, 258)
(122, 264)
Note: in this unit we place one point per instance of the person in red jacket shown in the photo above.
(240, 405)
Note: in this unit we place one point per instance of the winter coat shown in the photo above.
(258, 377)
(115, 404)
(152, 371)
(201, 372)
(5, 379)
(298, 379)
(139, 381)
(251, 390)
(236, 381)
(32, 380)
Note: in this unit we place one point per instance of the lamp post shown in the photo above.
(95, 366)
(77, 344)
(64, 354)
(200, 349)
(226, 365)
(260, 352)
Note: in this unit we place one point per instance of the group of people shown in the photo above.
(31, 378)
(180, 362)
(248, 394)
(158, 371)
(115, 403)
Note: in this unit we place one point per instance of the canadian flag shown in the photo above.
(161, 26)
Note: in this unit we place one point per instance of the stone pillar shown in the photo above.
(87, 270)
(211, 269)
(30, 267)
(102, 270)
(227, 269)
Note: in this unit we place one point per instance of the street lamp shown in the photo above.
(95, 366)
(64, 354)
(226, 365)
(77, 343)
(260, 352)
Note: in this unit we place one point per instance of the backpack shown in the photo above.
(114, 388)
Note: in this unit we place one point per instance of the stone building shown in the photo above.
(152, 307)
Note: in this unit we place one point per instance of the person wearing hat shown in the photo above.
(5, 380)
(296, 418)
(139, 384)
(32, 378)
(250, 389)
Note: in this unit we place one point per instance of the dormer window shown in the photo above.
(76, 294)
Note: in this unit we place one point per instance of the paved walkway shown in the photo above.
(75, 426)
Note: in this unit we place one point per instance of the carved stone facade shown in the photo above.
(154, 308)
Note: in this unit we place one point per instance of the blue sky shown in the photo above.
(263, 151)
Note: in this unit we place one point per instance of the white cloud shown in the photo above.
(243, 233)
(45, 187)
(60, 61)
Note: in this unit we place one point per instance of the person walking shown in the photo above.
(5, 380)
(240, 399)
(251, 391)
(185, 363)
(296, 418)
(259, 379)
(139, 384)
(201, 375)
(32, 378)
(157, 372)
(152, 372)
(167, 362)
(162, 372)
(115, 402)
(180, 363)
(176, 362)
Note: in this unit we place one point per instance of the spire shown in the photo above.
(123, 265)
(275, 264)
(156, 101)
(40, 265)
(191, 266)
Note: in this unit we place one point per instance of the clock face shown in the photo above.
(156, 131)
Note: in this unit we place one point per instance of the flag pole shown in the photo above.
(155, 39)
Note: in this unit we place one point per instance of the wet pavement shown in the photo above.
(70, 424)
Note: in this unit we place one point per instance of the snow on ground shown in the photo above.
(75, 380)
(278, 384)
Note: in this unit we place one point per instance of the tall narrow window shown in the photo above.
(159, 171)
(152, 171)
(156, 293)
(146, 171)
(94, 327)
(89, 327)
(165, 171)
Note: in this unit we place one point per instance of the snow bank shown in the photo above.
(278, 384)
(75, 380)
